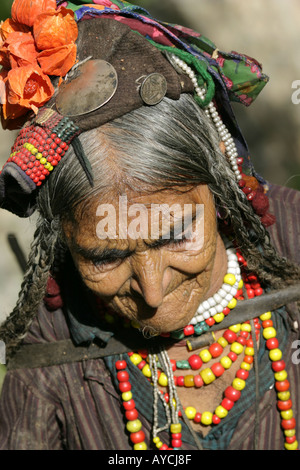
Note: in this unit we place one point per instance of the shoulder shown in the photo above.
(285, 233)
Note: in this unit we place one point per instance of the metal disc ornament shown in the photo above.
(94, 84)
(153, 89)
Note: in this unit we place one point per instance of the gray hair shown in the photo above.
(169, 145)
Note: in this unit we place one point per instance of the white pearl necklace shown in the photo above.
(220, 300)
(212, 113)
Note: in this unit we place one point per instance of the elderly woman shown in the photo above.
(157, 310)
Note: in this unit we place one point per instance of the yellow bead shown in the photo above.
(39, 156)
(43, 160)
(34, 151)
(238, 384)
(134, 426)
(293, 446)
(135, 359)
(146, 371)
(280, 376)
(226, 362)
(245, 366)
(126, 396)
(246, 327)
(235, 328)
(287, 414)
(221, 412)
(140, 446)
(207, 375)
(50, 168)
(275, 354)
(249, 351)
(156, 440)
(159, 444)
(229, 279)
(283, 396)
(223, 342)
(269, 332)
(163, 380)
(206, 418)
(189, 381)
(265, 316)
(289, 432)
(240, 284)
(190, 412)
(205, 355)
(237, 348)
(175, 428)
(232, 304)
(219, 317)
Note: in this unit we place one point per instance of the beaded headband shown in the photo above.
(132, 61)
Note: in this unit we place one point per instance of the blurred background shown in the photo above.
(267, 31)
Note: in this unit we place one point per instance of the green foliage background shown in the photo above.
(5, 6)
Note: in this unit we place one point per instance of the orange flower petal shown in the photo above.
(58, 61)
(10, 26)
(26, 11)
(28, 87)
(21, 49)
(55, 28)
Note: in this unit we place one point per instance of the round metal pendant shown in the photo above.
(153, 89)
(94, 84)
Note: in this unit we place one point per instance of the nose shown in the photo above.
(150, 278)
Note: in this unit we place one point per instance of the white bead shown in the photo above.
(206, 305)
(193, 321)
(206, 315)
(217, 298)
(200, 318)
(222, 293)
(200, 309)
(211, 302)
(226, 287)
(213, 311)
(228, 297)
(219, 308)
(224, 303)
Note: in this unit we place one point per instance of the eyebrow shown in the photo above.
(99, 255)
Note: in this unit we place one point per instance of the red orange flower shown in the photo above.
(58, 61)
(55, 28)
(27, 11)
(10, 26)
(28, 87)
(18, 50)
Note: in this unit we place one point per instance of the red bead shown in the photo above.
(24, 167)
(173, 363)
(227, 404)
(244, 334)
(216, 419)
(177, 435)
(166, 397)
(290, 440)
(198, 381)
(188, 330)
(217, 369)
(195, 361)
(141, 365)
(232, 394)
(232, 355)
(180, 381)
(258, 291)
(267, 323)
(242, 374)
(131, 415)
(123, 376)
(272, 343)
(197, 418)
(210, 321)
(282, 386)
(277, 366)
(137, 437)
(284, 405)
(247, 190)
(129, 405)
(250, 293)
(288, 423)
(250, 196)
(215, 349)
(241, 340)
(176, 442)
(121, 364)
(230, 336)
(226, 310)
(124, 386)
(242, 183)
(248, 359)
(164, 447)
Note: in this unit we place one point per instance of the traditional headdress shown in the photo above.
(69, 67)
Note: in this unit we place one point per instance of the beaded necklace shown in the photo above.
(150, 365)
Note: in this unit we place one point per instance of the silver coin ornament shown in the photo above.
(94, 84)
(153, 89)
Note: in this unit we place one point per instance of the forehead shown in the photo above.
(139, 208)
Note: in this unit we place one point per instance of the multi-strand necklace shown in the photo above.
(163, 372)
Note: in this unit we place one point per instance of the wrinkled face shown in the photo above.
(150, 266)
